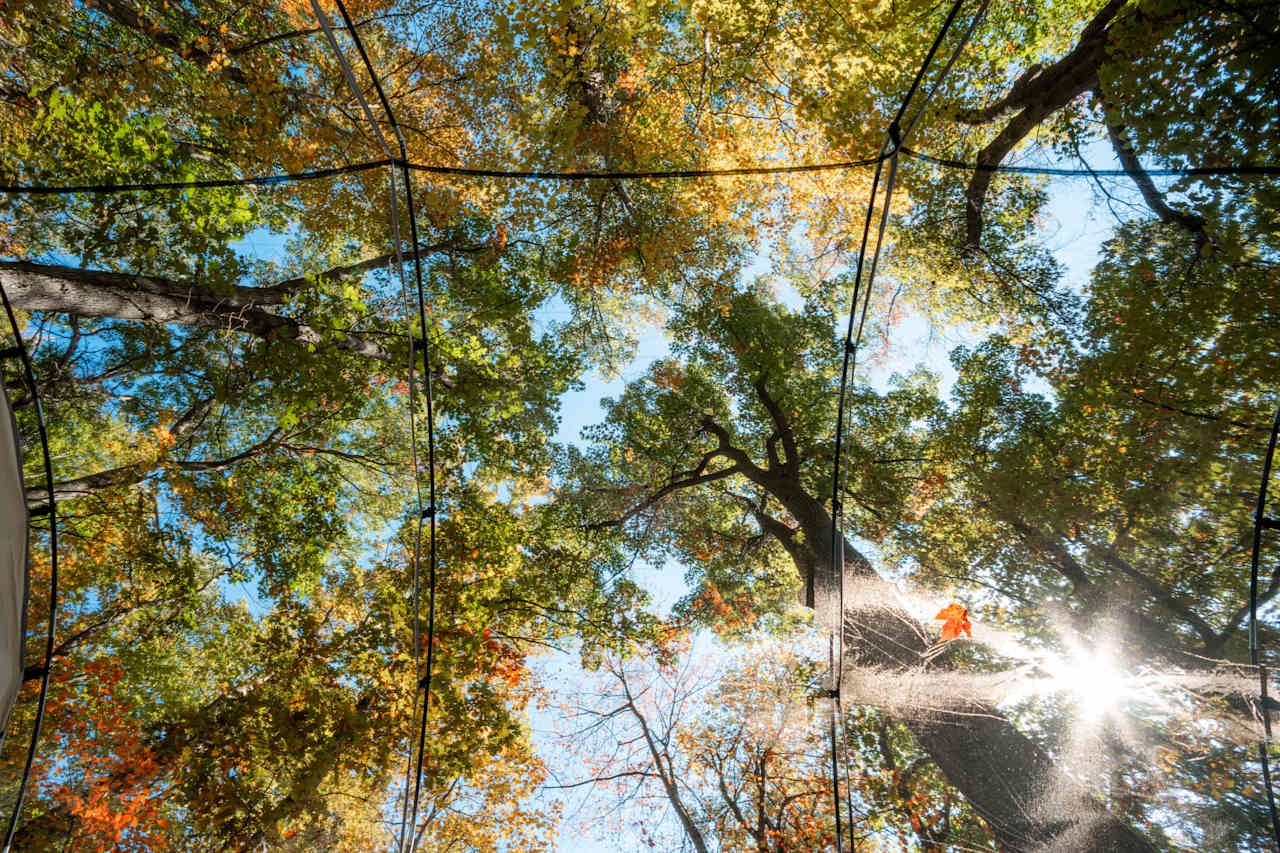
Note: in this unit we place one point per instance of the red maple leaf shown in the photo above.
(954, 620)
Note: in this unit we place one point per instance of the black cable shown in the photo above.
(892, 130)
(831, 725)
(416, 587)
(1238, 170)
(20, 349)
(655, 174)
(892, 144)
(456, 171)
(424, 683)
(1260, 522)
(216, 183)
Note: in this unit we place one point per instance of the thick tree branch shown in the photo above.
(1195, 225)
(741, 459)
(781, 425)
(1157, 591)
(157, 299)
(1036, 95)
(1215, 648)
(129, 18)
(698, 475)
(185, 426)
(99, 293)
(1139, 627)
(290, 287)
(732, 803)
(1007, 105)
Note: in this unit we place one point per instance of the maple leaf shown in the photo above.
(954, 620)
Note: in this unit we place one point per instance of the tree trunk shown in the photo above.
(1012, 784)
(1030, 805)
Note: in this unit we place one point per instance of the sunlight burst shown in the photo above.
(1094, 680)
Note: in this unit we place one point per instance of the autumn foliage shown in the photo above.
(955, 619)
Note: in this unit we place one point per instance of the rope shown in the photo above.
(423, 681)
(1261, 522)
(891, 146)
(217, 183)
(1236, 170)
(50, 509)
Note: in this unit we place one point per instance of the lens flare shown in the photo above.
(1092, 678)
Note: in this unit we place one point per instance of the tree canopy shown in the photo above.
(238, 431)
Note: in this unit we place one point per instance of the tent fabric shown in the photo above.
(14, 589)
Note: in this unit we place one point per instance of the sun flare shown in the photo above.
(1094, 680)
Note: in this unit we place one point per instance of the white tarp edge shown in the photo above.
(13, 561)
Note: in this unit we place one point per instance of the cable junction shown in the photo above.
(891, 146)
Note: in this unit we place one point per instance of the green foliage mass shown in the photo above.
(235, 425)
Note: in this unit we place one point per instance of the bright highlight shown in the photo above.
(1093, 679)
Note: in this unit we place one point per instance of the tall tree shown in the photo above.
(728, 448)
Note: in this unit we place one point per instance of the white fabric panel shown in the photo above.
(13, 561)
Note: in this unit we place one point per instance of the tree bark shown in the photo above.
(99, 293)
(1030, 805)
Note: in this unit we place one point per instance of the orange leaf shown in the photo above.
(954, 620)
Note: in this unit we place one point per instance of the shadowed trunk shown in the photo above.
(1030, 805)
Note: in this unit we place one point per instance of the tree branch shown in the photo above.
(119, 296)
(1195, 225)
(1037, 94)
(668, 783)
(129, 18)
(128, 475)
(693, 478)
(1157, 591)
(1203, 416)
(1143, 630)
(782, 425)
